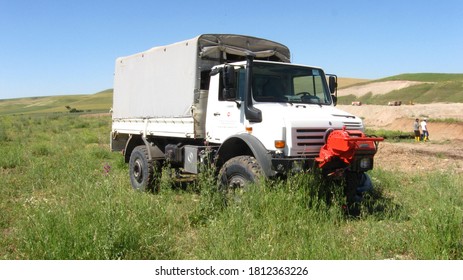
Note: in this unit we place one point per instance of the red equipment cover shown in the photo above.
(344, 144)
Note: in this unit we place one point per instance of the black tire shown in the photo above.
(353, 180)
(143, 172)
(238, 172)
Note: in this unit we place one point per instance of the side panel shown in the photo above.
(169, 127)
(160, 82)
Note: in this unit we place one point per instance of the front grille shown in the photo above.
(353, 125)
(350, 122)
(307, 142)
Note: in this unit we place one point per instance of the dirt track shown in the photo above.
(444, 151)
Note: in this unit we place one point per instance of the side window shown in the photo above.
(239, 87)
(220, 87)
(205, 79)
(241, 84)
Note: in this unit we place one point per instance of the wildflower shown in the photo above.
(106, 169)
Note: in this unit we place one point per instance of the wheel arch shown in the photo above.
(245, 144)
(136, 140)
(132, 142)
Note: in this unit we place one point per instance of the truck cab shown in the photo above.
(294, 106)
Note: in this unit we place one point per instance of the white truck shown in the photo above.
(235, 101)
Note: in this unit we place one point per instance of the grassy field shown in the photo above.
(98, 102)
(64, 195)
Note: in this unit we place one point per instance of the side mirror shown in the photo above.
(228, 78)
(333, 83)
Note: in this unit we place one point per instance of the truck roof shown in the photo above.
(213, 46)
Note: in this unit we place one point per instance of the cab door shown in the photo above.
(224, 118)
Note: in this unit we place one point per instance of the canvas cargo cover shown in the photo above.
(163, 81)
(212, 44)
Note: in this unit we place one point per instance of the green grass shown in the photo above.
(391, 135)
(98, 102)
(425, 77)
(64, 195)
(446, 120)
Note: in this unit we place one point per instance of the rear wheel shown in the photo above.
(144, 173)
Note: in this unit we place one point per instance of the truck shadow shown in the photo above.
(377, 205)
(372, 204)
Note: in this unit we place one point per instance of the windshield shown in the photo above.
(289, 83)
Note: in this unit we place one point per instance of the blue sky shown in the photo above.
(69, 47)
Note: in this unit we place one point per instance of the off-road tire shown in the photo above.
(238, 172)
(144, 173)
(353, 180)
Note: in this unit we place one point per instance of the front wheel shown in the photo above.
(143, 172)
(238, 172)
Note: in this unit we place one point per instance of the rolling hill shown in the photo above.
(98, 102)
(421, 88)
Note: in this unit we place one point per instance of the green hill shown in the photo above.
(433, 87)
(425, 77)
(98, 102)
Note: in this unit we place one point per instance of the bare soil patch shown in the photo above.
(420, 157)
(444, 152)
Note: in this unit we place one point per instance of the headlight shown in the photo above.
(280, 144)
(365, 163)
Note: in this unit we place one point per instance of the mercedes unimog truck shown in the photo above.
(236, 102)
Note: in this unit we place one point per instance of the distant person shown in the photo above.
(416, 130)
(424, 129)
